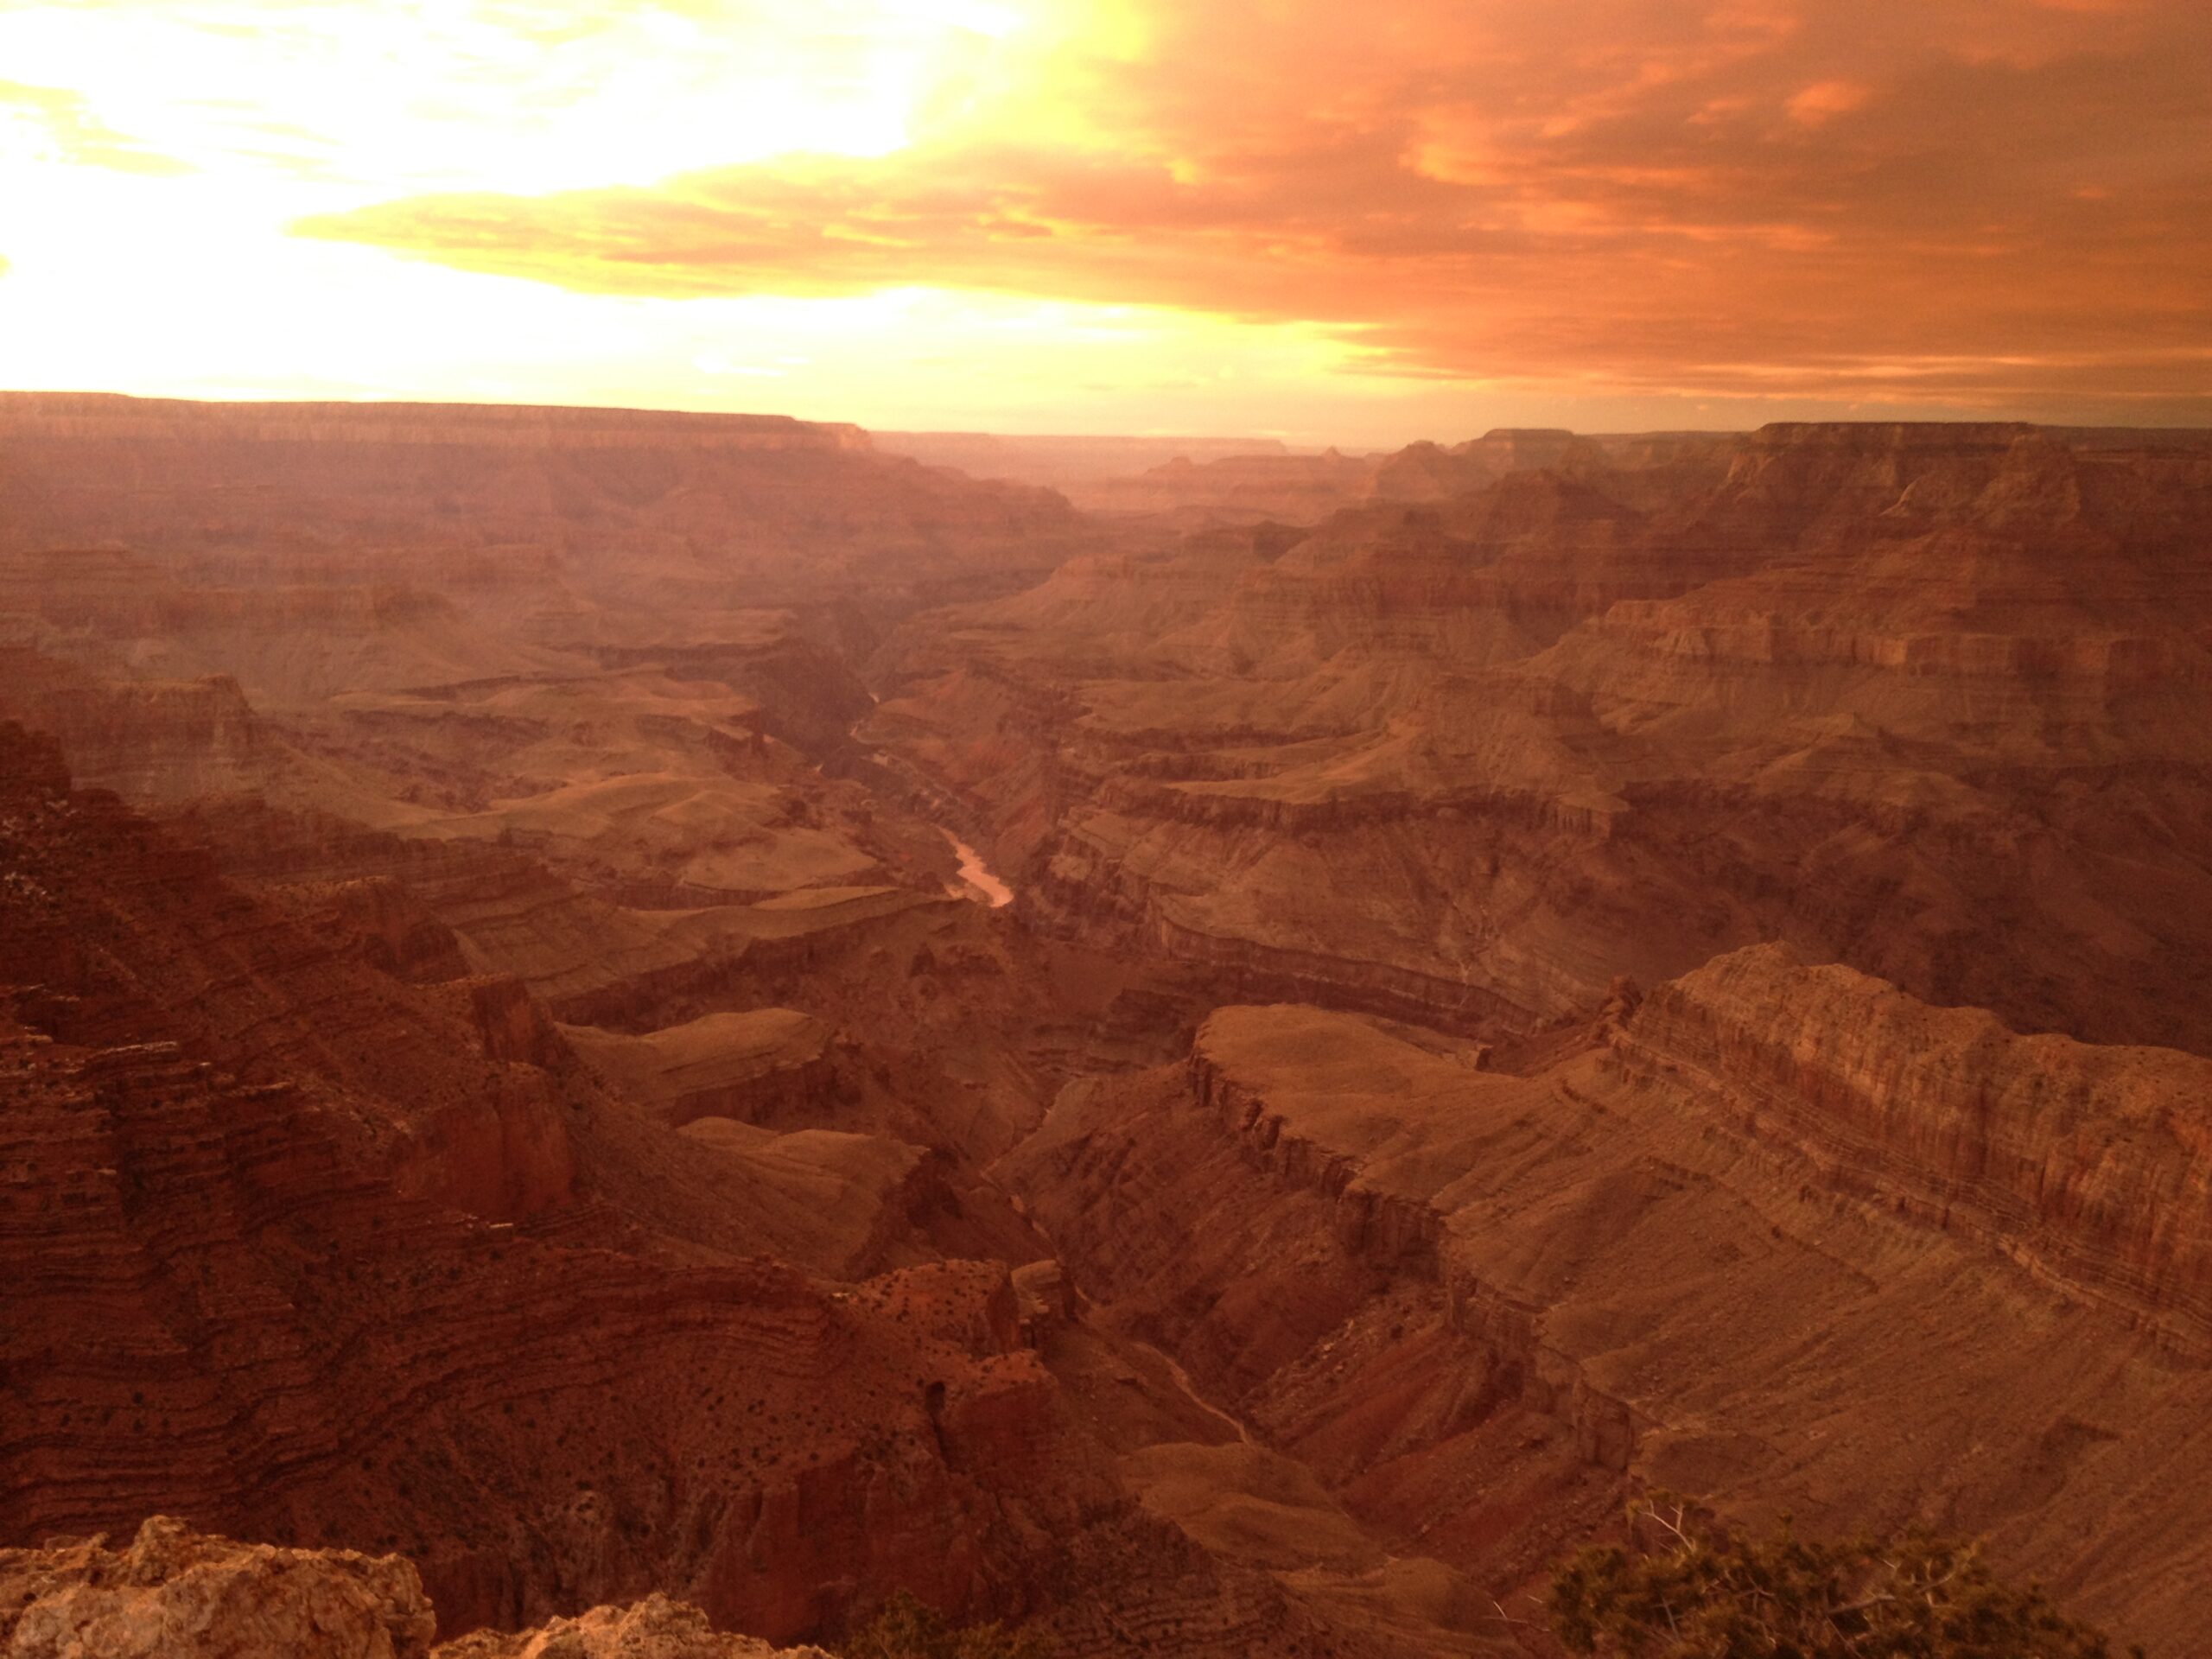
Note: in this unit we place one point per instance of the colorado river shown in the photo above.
(983, 887)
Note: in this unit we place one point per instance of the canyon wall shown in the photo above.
(498, 1064)
(1778, 1235)
(467, 498)
(1930, 700)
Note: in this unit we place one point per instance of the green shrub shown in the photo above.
(906, 1628)
(1683, 1590)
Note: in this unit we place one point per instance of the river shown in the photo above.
(982, 886)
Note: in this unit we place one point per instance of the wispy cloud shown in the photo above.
(1622, 209)
(1983, 201)
(62, 123)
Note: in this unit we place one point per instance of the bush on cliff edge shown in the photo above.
(1683, 1590)
(906, 1629)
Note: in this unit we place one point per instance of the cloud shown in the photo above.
(1981, 202)
(1825, 99)
(62, 123)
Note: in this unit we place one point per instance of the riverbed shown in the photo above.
(976, 876)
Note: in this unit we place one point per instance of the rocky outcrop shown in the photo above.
(153, 741)
(655, 1628)
(1432, 472)
(765, 1065)
(2089, 1166)
(396, 931)
(1774, 1233)
(172, 1593)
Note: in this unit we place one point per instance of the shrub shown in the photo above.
(906, 1628)
(1683, 1590)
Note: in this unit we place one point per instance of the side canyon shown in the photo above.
(605, 1007)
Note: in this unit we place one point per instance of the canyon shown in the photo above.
(633, 1032)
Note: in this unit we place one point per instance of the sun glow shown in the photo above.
(1483, 209)
(154, 157)
(446, 94)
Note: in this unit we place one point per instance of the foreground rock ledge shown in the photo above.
(178, 1594)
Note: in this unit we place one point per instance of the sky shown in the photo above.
(1357, 224)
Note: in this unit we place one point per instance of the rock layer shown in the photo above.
(530, 1102)
(1780, 1236)
(1930, 700)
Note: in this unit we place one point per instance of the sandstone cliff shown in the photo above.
(617, 495)
(304, 1243)
(534, 1099)
(1780, 1236)
(1930, 700)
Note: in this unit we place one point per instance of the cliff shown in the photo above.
(2088, 1167)
(307, 1244)
(617, 500)
(283, 1236)
(1929, 699)
(149, 740)
(32, 416)
(1778, 1235)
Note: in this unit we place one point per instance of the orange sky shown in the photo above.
(1333, 222)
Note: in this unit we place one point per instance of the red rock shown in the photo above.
(1782, 1236)
(1932, 700)
(174, 1594)
(534, 1100)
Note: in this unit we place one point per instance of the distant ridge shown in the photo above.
(98, 414)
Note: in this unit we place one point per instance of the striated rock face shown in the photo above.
(467, 499)
(758, 1066)
(225, 1307)
(152, 741)
(1930, 699)
(292, 1244)
(529, 1103)
(1777, 1234)
(172, 1593)
(2089, 1166)
(305, 1245)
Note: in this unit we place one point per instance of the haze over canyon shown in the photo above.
(631, 1033)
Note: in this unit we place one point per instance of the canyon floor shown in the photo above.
(1217, 1057)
